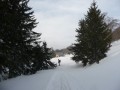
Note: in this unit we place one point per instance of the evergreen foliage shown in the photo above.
(93, 38)
(20, 51)
(53, 54)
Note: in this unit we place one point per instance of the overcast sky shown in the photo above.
(58, 19)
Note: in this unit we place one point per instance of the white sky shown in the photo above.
(58, 19)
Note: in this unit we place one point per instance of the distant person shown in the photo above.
(59, 61)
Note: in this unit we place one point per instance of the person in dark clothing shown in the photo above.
(59, 61)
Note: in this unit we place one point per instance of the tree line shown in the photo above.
(21, 51)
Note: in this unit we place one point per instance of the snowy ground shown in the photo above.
(72, 76)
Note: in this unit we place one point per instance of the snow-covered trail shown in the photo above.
(72, 76)
(54, 79)
(59, 81)
(62, 79)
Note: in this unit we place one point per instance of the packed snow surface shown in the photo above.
(72, 76)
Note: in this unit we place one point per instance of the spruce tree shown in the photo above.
(41, 57)
(94, 37)
(37, 54)
(47, 52)
(17, 36)
(78, 48)
(4, 25)
(53, 54)
(98, 33)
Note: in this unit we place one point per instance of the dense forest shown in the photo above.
(21, 50)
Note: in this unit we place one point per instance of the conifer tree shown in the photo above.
(94, 37)
(78, 48)
(17, 36)
(99, 34)
(47, 52)
(20, 49)
(37, 54)
(53, 54)
(42, 55)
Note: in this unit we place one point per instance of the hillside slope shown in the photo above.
(72, 76)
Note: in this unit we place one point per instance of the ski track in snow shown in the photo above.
(59, 82)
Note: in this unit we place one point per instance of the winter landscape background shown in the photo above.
(88, 47)
(72, 76)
